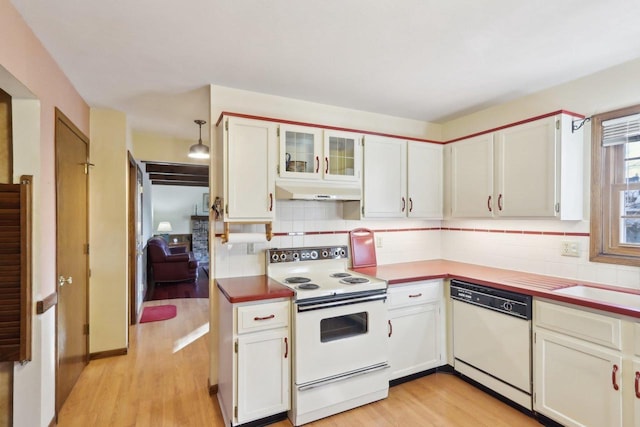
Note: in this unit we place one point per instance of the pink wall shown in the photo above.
(26, 59)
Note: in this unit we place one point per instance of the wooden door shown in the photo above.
(72, 153)
(137, 285)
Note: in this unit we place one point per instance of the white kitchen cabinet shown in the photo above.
(578, 374)
(311, 153)
(416, 334)
(300, 152)
(384, 181)
(576, 381)
(527, 170)
(246, 168)
(472, 177)
(253, 360)
(635, 391)
(424, 180)
(401, 179)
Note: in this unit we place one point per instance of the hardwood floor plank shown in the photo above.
(163, 381)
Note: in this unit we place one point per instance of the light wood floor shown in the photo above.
(155, 385)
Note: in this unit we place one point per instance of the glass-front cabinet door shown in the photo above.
(341, 156)
(300, 152)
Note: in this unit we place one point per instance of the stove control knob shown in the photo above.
(507, 306)
(296, 255)
(314, 254)
(336, 253)
(343, 252)
(325, 254)
(275, 257)
(283, 256)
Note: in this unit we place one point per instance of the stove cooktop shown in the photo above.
(325, 268)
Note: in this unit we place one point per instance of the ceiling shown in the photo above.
(430, 60)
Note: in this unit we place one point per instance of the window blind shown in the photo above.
(621, 130)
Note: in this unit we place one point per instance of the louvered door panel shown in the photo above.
(15, 271)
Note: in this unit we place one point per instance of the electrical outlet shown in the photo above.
(378, 241)
(570, 249)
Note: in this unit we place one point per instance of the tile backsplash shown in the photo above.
(524, 245)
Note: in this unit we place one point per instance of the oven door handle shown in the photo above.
(306, 306)
(347, 376)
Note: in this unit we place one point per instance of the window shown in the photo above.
(615, 187)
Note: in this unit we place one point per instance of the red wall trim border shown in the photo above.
(401, 230)
(410, 138)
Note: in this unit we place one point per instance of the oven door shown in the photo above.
(334, 338)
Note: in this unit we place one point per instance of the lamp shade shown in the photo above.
(164, 227)
(199, 151)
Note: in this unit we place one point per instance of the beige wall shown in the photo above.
(108, 231)
(162, 148)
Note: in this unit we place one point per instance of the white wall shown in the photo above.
(176, 204)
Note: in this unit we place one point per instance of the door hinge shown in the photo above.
(89, 272)
(362, 209)
(362, 141)
(535, 337)
(235, 412)
(278, 169)
(235, 347)
(86, 329)
(557, 124)
(557, 207)
(226, 124)
(226, 208)
(86, 249)
(278, 132)
(534, 397)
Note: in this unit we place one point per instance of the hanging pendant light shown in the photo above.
(199, 150)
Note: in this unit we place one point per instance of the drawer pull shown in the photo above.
(613, 377)
(637, 384)
(416, 295)
(264, 318)
(286, 347)
(390, 327)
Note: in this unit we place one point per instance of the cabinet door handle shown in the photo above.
(326, 165)
(638, 384)
(271, 316)
(286, 347)
(613, 377)
(317, 164)
(416, 295)
(410, 204)
(404, 204)
(270, 202)
(489, 204)
(500, 202)
(390, 327)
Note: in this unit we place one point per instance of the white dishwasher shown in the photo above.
(492, 339)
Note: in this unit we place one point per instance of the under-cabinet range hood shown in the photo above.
(316, 191)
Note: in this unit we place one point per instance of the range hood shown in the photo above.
(316, 191)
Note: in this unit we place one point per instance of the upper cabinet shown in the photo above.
(528, 170)
(246, 168)
(309, 153)
(400, 179)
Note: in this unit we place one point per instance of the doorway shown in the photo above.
(72, 255)
(137, 282)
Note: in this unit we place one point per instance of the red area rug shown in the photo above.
(159, 312)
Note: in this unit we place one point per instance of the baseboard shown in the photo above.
(109, 353)
(54, 421)
(213, 389)
(444, 368)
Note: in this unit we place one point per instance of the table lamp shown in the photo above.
(164, 228)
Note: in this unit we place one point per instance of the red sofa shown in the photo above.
(170, 264)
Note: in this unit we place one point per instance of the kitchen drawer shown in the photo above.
(596, 328)
(258, 317)
(414, 293)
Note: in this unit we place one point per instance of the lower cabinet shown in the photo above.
(415, 327)
(577, 383)
(254, 360)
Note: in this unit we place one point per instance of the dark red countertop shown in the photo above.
(536, 285)
(255, 288)
(252, 288)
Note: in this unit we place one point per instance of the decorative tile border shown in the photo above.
(402, 230)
